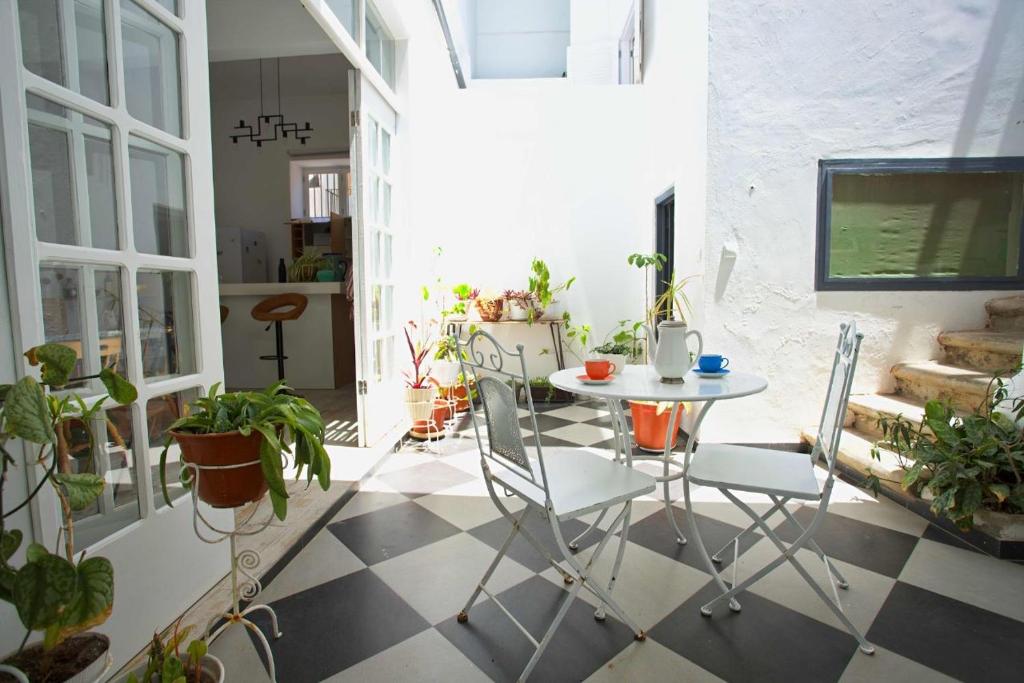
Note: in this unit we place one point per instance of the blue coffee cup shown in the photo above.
(710, 362)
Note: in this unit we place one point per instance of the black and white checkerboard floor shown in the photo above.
(373, 596)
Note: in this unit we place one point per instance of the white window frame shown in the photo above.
(25, 253)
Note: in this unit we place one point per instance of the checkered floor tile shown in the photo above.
(373, 595)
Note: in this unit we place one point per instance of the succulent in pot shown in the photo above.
(169, 662)
(522, 305)
(238, 443)
(56, 593)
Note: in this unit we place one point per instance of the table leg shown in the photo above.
(691, 521)
(669, 438)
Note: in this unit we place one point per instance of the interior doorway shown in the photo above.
(665, 239)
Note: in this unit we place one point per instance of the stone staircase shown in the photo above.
(962, 377)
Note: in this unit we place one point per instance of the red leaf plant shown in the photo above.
(419, 378)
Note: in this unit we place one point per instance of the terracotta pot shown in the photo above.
(225, 488)
(649, 427)
(458, 392)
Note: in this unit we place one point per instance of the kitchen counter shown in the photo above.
(319, 345)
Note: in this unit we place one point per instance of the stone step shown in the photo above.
(864, 411)
(855, 454)
(964, 388)
(989, 350)
(1006, 313)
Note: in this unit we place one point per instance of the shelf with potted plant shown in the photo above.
(56, 594)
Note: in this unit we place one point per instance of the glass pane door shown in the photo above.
(106, 138)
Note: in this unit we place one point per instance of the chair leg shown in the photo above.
(463, 616)
(789, 554)
(619, 554)
(717, 557)
(813, 545)
(680, 537)
(575, 543)
(563, 609)
(279, 341)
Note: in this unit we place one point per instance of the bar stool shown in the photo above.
(275, 310)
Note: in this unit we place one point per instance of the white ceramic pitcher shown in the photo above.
(670, 354)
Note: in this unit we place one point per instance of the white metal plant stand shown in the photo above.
(244, 562)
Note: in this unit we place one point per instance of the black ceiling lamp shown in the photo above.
(259, 136)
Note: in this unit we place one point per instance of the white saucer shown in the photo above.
(711, 375)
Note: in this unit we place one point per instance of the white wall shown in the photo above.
(251, 184)
(505, 171)
(793, 82)
(595, 30)
(522, 39)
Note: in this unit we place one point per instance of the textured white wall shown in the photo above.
(792, 82)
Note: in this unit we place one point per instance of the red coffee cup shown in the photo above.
(599, 368)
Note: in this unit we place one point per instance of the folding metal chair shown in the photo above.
(782, 476)
(559, 484)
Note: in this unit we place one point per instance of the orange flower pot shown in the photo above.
(649, 427)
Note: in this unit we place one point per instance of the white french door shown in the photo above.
(109, 249)
(373, 125)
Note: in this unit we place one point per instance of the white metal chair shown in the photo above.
(783, 476)
(559, 483)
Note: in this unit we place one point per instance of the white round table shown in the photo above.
(642, 383)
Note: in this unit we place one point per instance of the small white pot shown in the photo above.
(516, 311)
(446, 372)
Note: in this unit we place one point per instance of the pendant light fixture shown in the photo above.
(274, 123)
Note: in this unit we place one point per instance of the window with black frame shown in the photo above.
(920, 224)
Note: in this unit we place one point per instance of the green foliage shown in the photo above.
(671, 303)
(623, 339)
(289, 424)
(54, 593)
(540, 286)
(165, 663)
(967, 463)
(643, 261)
(58, 362)
(26, 414)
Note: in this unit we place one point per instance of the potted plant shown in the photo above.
(543, 391)
(522, 305)
(464, 295)
(621, 345)
(971, 466)
(542, 290)
(166, 663)
(650, 419)
(419, 388)
(489, 307)
(58, 594)
(239, 440)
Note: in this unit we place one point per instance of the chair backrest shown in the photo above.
(830, 430)
(496, 372)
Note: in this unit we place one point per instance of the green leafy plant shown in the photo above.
(644, 262)
(576, 334)
(541, 288)
(623, 340)
(289, 425)
(55, 593)
(303, 268)
(672, 303)
(165, 662)
(969, 463)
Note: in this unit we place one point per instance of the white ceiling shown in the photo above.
(306, 75)
(246, 29)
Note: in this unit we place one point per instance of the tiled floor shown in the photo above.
(373, 596)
